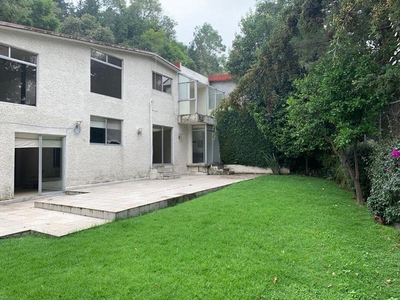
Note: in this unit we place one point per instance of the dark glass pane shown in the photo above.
(23, 55)
(97, 135)
(167, 153)
(98, 55)
(105, 80)
(17, 83)
(114, 61)
(157, 145)
(3, 50)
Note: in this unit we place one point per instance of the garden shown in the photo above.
(274, 237)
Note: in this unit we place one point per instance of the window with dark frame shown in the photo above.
(105, 131)
(162, 83)
(105, 74)
(17, 76)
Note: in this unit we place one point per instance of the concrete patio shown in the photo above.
(86, 207)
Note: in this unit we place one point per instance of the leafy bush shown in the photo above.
(273, 163)
(384, 201)
(241, 142)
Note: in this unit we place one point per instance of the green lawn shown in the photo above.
(275, 237)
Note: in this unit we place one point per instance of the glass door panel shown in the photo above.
(51, 164)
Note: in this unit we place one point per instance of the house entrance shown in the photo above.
(38, 165)
(205, 144)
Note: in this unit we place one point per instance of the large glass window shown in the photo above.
(17, 76)
(162, 83)
(105, 131)
(162, 145)
(214, 97)
(105, 74)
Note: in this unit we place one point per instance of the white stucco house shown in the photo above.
(75, 111)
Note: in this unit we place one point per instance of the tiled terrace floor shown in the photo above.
(117, 200)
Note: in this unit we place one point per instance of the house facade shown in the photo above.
(75, 112)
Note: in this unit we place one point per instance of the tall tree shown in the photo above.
(87, 26)
(339, 101)
(206, 50)
(16, 11)
(36, 13)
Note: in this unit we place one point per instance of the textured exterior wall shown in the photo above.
(225, 86)
(64, 97)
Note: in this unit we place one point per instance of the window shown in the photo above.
(105, 74)
(105, 131)
(162, 145)
(162, 83)
(214, 97)
(17, 76)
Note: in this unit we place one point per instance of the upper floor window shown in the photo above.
(162, 83)
(105, 74)
(105, 131)
(17, 76)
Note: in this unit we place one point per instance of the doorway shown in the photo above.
(38, 165)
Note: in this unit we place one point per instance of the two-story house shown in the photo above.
(74, 111)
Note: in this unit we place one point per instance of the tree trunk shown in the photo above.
(357, 184)
(354, 174)
(306, 162)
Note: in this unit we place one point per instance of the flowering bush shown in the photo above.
(384, 200)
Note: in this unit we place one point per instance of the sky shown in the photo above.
(223, 15)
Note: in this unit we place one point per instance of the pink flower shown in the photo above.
(395, 153)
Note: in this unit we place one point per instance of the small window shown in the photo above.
(162, 83)
(105, 74)
(17, 76)
(105, 131)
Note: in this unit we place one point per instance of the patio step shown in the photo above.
(100, 213)
(166, 172)
(133, 211)
(219, 169)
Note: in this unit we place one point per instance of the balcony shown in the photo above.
(197, 101)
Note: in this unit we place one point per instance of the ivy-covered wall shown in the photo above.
(240, 140)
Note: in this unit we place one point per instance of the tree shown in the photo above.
(43, 15)
(158, 42)
(90, 7)
(256, 29)
(206, 50)
(16, 11)
(87, 26)
(36, 13)
(338, 103)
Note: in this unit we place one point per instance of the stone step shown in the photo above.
(133, 211)
(170, 175)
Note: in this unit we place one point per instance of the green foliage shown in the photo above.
(87, 26)
(44, 15)
(256, 28)
(241, 142)
(384, 201)
(36, 13)
(230, 244)
(272, 162)
(206, 50)
(158, 42)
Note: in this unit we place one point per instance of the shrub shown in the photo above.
(240, 140)
(384, 201)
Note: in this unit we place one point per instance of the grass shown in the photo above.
(275, 237)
